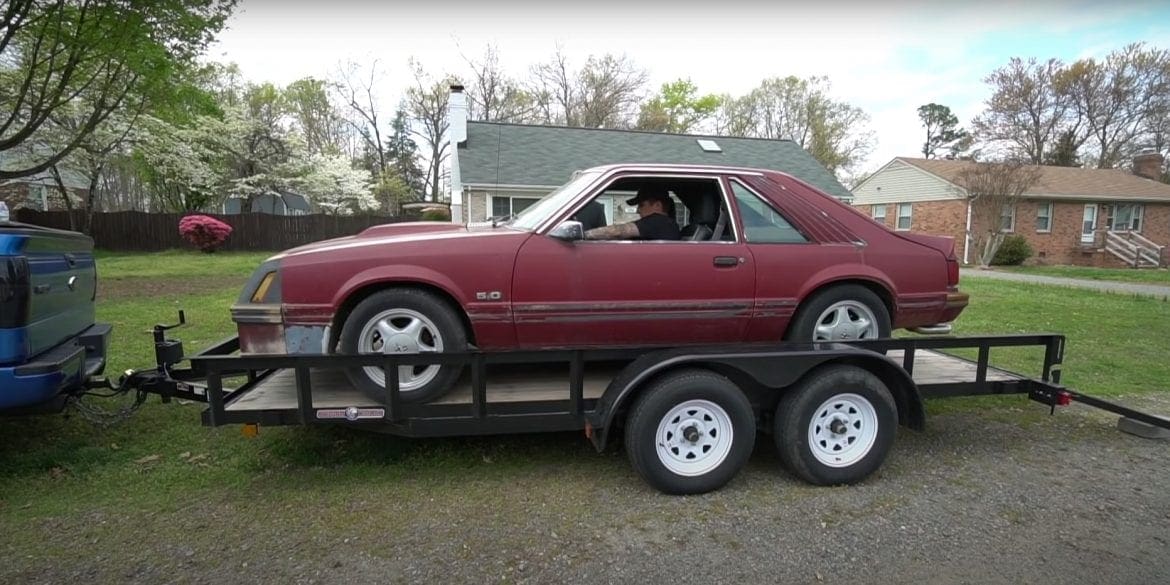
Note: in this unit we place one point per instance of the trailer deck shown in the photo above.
(523, 383)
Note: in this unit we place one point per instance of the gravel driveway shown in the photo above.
(1002, 495)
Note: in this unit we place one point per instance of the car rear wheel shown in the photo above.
(403, 321)
(841, 313)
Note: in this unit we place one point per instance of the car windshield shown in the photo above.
(536, 213)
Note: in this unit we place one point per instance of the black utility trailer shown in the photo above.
(689, 415)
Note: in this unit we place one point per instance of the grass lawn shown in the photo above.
(162, 459)
(1144, 276)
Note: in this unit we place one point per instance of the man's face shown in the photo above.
(649, 207)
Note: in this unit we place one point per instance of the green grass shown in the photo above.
(1144, 276)
(162, 459)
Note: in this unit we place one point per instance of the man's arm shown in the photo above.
(621, 231)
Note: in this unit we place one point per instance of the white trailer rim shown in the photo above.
(842, 430)
(694, 438)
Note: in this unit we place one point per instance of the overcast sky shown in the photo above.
(887, 58)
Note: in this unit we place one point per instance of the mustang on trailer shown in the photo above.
(762, 257)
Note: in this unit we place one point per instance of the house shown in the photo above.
(1094, 217)
(283, 203)
(39, 191)
(499, 169)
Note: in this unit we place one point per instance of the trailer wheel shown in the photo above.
(690, 432)
(403, 321)
(836, 427)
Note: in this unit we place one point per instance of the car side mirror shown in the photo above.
(569, 231)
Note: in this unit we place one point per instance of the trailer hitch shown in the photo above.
(1055, 396)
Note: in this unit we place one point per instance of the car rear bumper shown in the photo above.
(57, 372)
(955, 303)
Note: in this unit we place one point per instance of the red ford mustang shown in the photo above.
(763, 257)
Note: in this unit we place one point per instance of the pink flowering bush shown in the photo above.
(205, 232)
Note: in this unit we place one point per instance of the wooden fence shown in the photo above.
(148, 232)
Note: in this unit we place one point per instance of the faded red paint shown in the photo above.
(559, 294)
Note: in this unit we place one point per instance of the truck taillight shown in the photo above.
(14, 293)
(952, 272)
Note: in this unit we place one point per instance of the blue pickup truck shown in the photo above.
(49, 343)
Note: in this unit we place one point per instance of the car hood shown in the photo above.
(394, 233)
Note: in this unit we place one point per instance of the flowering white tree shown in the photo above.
(334, 186)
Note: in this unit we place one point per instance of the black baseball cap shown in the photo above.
(650, 194)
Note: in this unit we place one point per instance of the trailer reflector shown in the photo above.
(1063, 398)
(250, 430)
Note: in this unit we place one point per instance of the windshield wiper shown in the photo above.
(502, 219)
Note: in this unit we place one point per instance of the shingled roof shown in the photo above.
(1066, 182)
(546, 156)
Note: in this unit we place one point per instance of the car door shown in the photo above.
(631, 292)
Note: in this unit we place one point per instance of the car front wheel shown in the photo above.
(403, 321)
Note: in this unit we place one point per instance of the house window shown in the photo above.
(1126, 217)
(879, 213)
(1044, 216)
(904, 212)
(1007, 218)
(505, 206)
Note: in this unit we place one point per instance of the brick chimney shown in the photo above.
(456, 132)
(1148, 165)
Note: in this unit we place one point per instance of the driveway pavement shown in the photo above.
(1151, 290)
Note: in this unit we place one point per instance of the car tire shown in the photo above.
(840, 313)
(836, 426)
(690, 432)
(415, 321)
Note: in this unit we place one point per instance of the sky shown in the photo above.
(886, 58)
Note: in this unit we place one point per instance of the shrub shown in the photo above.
(205, 232)
(436, 214)
(1012, 252)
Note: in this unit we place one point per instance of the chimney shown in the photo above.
(1148, 165)
(456, 133)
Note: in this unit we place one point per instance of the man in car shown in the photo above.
(656, 222)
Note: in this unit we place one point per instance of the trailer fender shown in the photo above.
(768, 369)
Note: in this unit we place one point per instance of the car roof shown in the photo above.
(690, 168)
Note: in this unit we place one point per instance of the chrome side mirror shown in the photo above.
(569, 231)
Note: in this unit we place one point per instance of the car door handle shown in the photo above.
(726, 261)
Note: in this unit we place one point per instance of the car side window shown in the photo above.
(762, 224)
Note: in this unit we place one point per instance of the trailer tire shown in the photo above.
(420, 322)
(836, 426)
(690, 432)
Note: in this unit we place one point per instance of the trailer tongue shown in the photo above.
(688, 415)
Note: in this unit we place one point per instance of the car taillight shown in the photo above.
(952, 272)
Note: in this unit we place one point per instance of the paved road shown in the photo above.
(1162, 292)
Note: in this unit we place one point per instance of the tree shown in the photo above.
(802, 111)
(1114, 99)
(604, 93)
(427, 104)
(993, 190)
(334, 186)
(315, 117)
(493, 96)
(356, 90)
(942, 128)
(1064, 151)
(1024, 111)
(54, 52)
(677, 108)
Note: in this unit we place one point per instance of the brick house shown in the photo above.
(40, 191)
(499, 169)
(1093, 217)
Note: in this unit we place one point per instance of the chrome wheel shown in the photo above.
(842, 430)
(401, 331)
(694, 437)
(846, 320)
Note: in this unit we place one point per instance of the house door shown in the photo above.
(1090, 221)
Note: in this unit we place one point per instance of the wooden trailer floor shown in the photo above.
(331, 389)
